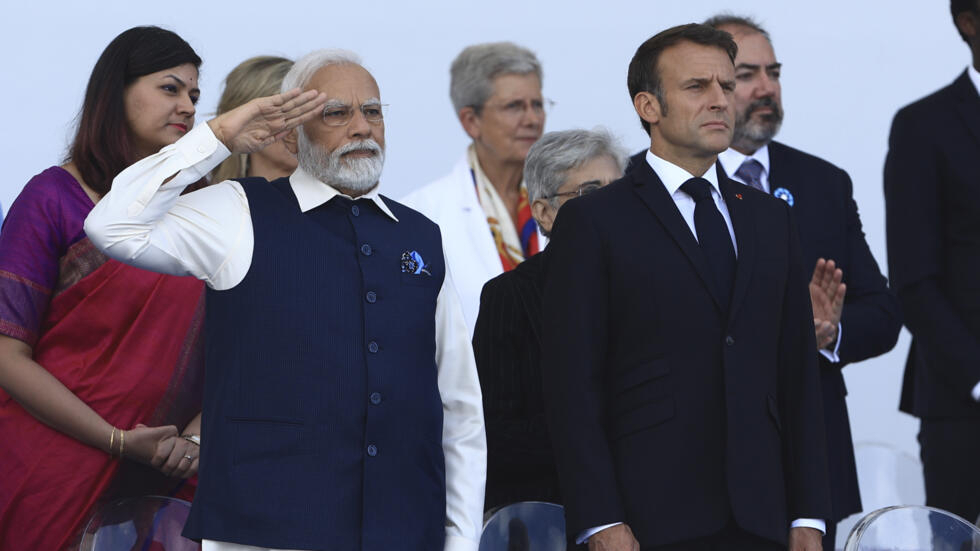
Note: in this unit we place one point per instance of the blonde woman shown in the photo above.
(256, 77)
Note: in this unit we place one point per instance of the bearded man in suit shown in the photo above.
(862, 319)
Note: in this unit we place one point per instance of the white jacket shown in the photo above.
(471, 254)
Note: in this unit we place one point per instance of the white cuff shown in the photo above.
(459, 543)
(976, 392)
(831, 355)
(586, 534)
(810, 523)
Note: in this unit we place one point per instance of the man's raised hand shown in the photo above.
(262, 121)
(827, 296)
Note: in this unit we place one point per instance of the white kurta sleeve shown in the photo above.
(464, 442)
(146, 222)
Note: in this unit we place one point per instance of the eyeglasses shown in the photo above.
(518, 108)
(341, 115)
(584, 189)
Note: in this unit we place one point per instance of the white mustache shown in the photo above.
(364, 145)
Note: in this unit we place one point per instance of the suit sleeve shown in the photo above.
(871, 319)
(913, 215)
(575, 318)
(800, 402)
(517, 441)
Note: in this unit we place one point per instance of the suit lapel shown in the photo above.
(653, 193)
(968, 104)
(745, 236)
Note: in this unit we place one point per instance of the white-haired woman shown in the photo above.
(482, 206)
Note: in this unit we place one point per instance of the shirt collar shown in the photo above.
(674, 176)
(311, 193)
(974, 76)
(730, 159)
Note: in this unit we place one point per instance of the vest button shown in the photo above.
(355, 210)
(729, 340)
(366, 249)
(375, 398)
(372, 450)
(373, 347)
(371, 297)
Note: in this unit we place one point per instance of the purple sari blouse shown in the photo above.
(42, 223)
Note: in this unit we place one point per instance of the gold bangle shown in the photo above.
(112, 438)
(122, 442)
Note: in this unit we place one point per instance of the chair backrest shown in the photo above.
(886, 476)
(912, 528)
(525, 526)
(148, 523)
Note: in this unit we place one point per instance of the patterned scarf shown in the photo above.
(515, 242)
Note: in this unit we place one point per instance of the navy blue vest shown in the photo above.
(322, 425)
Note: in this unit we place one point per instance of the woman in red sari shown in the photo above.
(100, 363)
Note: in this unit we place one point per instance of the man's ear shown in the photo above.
(647, 107)
(470, 121)
(967, 24)
(544, 214)
(289, 140)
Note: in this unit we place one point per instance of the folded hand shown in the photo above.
(147, 445)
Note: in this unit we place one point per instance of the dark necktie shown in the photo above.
(713, 237)
(751, 173)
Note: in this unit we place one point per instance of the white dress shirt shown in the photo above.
(673, 177)
(145, 222)
(730, 161)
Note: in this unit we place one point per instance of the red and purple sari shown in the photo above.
(127, 342)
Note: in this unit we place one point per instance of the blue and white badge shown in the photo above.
(784, 194)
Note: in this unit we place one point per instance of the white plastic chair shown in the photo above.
(525, 526)
(913, 528)
(886, 476)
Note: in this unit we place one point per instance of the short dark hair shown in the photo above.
(103, 144)
(732, 20)
(957, 7)
(644, 75)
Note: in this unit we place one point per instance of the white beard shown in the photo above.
(355, 174)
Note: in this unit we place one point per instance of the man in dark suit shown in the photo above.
(679, 363)
(867, 321)
(507, 340)
(932, 179)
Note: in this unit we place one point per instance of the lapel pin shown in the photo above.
(784, 194)
(738, 196)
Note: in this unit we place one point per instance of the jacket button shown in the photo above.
(372, 450)
(366, 249)
(375, 398)
(373, 347)
(371, 297)
(355, 210)
(729, 340)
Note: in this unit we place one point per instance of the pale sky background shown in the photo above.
(847, 67)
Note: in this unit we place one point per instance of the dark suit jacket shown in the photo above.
(507, 345)
(932, 198)
(830, 228)
(666, 410)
